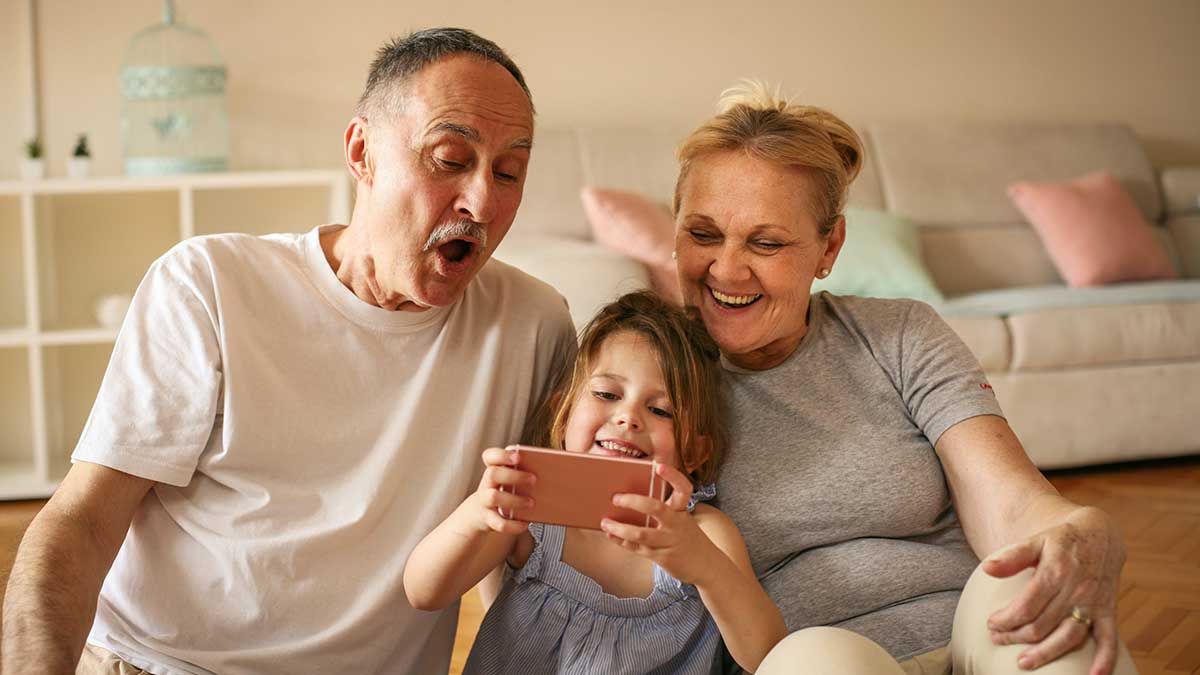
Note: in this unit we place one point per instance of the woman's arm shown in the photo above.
(707, 551)
(470, 543)
(1015, 519)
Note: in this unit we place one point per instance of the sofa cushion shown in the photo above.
(1181, 190)
(1087, 337)
(587, 274)
(1092, 230)
(987, 337)
(631, 224)
(1185, 231)
(881, 259)
(956, 174)
(550, 203)
(1010, 301)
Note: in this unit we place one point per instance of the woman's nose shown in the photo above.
(729, 265)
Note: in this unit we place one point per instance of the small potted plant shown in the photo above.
(80, 162)
(32, 166)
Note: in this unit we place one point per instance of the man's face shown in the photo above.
(444, 178)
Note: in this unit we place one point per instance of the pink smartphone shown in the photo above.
(576, 489)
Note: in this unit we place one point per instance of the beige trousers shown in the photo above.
(833, 650)
(99, 661)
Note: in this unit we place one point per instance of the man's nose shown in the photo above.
(477, 201)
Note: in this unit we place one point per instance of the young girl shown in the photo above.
(626, 599)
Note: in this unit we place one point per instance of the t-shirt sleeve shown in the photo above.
(941, 380)
(158, 400)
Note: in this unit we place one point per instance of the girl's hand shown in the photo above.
(1076, 565)
(488, 498)
(675, 542)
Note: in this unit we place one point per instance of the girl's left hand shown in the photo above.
(675, 542)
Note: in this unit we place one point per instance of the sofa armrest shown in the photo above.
(1181, 189)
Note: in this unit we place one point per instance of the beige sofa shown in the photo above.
(1085, 376)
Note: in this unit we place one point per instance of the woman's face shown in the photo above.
(748, 249)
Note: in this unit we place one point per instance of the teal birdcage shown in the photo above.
(174, 118)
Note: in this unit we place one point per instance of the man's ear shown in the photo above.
(358, 160)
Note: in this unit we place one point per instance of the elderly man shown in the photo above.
(285, 417)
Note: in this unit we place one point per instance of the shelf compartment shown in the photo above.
(261, 210)
(12, 267)
(16, 415)
(73, 375)
(97, 244)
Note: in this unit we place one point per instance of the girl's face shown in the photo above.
(623, 409)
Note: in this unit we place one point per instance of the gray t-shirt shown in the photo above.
(833, 479)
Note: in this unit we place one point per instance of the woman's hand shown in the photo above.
(1077, 564)
(496, 491)
(675, 541)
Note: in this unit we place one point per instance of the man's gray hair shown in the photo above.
(401, 58)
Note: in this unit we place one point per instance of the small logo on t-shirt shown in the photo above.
(985, 385)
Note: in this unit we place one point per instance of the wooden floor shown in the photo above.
(1156, 503)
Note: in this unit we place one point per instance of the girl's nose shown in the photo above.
(628, 418)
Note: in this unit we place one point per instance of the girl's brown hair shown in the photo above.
(690, 362)
(757, 121)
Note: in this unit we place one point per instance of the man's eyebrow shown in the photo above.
(469, 133)
(472, 134)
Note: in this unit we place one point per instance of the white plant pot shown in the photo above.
(33, 169)
(79, 167)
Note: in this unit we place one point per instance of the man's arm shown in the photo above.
(62, 561)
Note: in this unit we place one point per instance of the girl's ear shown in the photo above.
(702, 454)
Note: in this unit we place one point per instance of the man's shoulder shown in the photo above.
(217, 254)
(519, 294)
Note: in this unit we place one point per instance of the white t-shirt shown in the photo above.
(303, 442)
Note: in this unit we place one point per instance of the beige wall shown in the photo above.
(296, 66)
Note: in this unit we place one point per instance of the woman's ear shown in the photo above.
(833, 246)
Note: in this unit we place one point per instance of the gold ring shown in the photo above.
(1081, 616)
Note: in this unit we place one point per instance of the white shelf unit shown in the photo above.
(66, 242)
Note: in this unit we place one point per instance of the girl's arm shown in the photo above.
(473, 541)
(750, 623)
(707, 551)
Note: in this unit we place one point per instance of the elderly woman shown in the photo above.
(871, 467)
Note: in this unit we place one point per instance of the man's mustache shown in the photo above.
(462, 228)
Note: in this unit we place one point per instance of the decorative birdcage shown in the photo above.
(174, 118)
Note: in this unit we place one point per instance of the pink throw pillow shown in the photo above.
(631, 224)
(1092, 230)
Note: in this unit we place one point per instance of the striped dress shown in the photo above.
(551, 618)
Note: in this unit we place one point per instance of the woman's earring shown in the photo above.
(824, 272)
(674, 255)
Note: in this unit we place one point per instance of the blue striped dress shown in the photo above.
(551, 618)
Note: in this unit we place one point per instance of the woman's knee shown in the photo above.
(971, 642)
(828, 650)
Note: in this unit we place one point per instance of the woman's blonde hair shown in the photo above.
(763, 124)
(690, 363)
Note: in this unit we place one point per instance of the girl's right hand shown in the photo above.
(489, 498)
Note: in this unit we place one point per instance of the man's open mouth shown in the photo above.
(457, 250)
